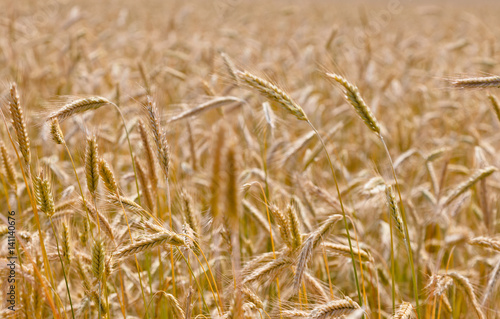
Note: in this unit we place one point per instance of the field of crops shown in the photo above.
(249, 159)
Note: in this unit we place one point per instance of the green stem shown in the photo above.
(407, 239)
(62, 266)
(131, 153)
(343, 213)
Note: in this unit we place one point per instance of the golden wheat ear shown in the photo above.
(354, 97)
(272, 92)
(477, 82)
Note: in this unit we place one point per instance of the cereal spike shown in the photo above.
(354, 97)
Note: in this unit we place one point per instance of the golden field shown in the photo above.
(246, 159)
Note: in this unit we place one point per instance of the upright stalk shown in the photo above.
(407, 235)
(343, 213)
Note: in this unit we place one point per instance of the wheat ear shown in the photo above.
(463, 283)
(273, 93)
(473, 179)
(486, 242)
(79, 106)
(404, 311)
(164, 238)
(334, 309)
(19, 124)
(354, 97)
(495, 104)
(477, 82)
(8, 167)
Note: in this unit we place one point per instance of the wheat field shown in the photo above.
(249, 159)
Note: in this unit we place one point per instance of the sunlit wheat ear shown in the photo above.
(98, 255)
(294, 314)
(212, 104)
(283, 225)
(308, 246)
(334, 309)
(294, 223)
(19, 123)
(8, 167)
(404, 311)
(486, 242)
(128, 204)
(460, 189)
(394, 209)
(92, 165)
(438, 284)
(149, 242)
(354, 97)
(495, 104)
(66, 242)
(477, 82)
(252, 297)
(43, 195)
(149, 154)
(173, 304)
(345, 251)
(107, 176)
(162, 148)
(268, 271)
(189, 214)
(79, 106)
(273, 93)
(56, 132)
(463, 283)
